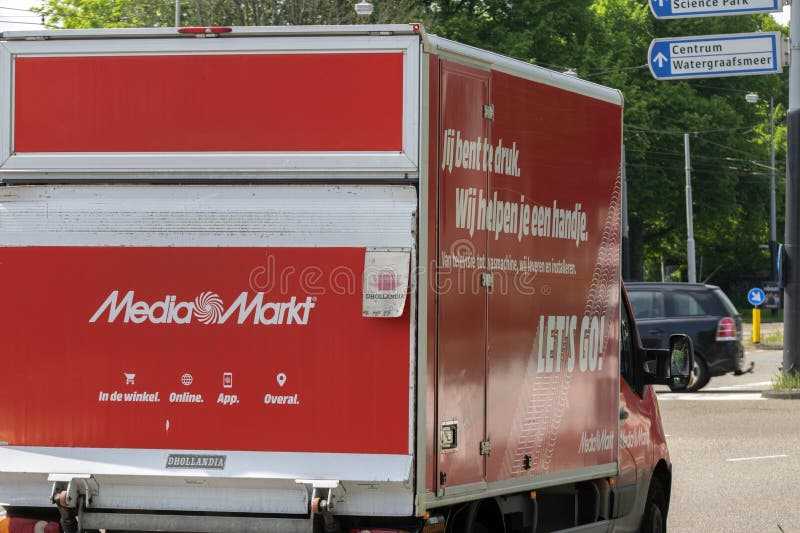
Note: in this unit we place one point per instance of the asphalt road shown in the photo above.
(736, 456)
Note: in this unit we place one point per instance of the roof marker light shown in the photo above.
(211, 31)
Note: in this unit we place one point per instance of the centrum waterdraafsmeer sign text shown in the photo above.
(716, 55)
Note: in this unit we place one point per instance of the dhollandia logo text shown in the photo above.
(207, 308)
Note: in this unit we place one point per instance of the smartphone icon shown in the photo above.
(227, 380)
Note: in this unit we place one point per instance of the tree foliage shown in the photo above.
(155, 13)
(605, 41)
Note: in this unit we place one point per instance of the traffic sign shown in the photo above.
(665, 9)
(709, 56)
(755, 296)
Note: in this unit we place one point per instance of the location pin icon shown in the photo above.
(281, 379)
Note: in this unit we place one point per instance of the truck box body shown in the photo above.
(243, 270)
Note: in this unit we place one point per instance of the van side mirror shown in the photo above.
(670, 367)
(681, 361)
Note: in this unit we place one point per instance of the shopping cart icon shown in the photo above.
(129, 378)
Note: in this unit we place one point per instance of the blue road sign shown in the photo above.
(755, 296)
(665, 9)
(708, 56)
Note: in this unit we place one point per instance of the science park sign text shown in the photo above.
(664, 9)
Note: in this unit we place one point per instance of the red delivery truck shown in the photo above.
(331, 278)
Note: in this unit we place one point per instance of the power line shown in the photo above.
(599, 72)
(723, 146)
(16, 9)
(683, 132)
(680, 156)
(21, 22)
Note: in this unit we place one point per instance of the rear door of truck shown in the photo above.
(206, 247)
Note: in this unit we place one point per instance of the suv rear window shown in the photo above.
(647, 304)
(729, 307)
(689, 304)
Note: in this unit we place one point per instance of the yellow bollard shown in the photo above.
(756, 325)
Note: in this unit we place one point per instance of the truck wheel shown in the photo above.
(654, 519)
(699, 376)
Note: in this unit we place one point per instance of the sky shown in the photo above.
(14, 15)
(782, 17)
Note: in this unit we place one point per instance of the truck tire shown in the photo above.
(654, 519)
(700, 376)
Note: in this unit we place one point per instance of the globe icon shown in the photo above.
(187, 379)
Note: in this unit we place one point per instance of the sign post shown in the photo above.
(756, 297)
(709, 56)
(669, 9)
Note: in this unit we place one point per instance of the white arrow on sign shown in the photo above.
(660, 58)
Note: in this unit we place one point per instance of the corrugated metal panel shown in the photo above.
(234, 215)
(257, 482)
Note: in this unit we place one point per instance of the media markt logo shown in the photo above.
(206, 308)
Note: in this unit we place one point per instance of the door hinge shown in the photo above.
(442, 484)
(486, 447)
(488, 111)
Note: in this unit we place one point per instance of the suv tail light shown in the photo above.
(726, 329)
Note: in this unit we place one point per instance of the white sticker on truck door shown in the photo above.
(386, 274)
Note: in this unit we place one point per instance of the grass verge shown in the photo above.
(767, 316)
(786, 382)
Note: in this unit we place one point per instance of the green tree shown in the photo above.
(161, 13)
(605, 41)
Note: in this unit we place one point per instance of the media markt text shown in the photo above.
(601, 441)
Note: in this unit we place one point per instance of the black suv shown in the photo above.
(701, 311)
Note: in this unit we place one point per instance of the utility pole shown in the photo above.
(773, 239)
(790, 263)
(177, 13)
(689, 215)
(752, 98)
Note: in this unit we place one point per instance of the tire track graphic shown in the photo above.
(535, 428)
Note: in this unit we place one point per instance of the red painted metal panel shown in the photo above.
(553, 247)
(315, 377)
(216, 103)
(462, 301)
(546, 226)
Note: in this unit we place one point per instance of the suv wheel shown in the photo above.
(741, 364)
(699, 376)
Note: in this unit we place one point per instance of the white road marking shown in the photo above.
(758, 458)
(699, 396)
(756, 385)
